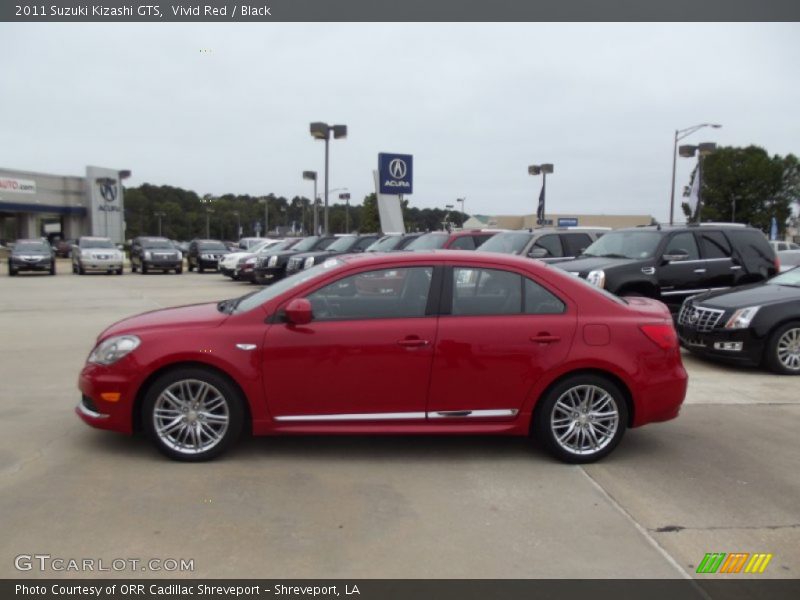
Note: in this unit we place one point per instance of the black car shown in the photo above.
(346, 244)
(32, 255)
(755, 324)
(672, 263)
(205, 254)
(272, 265)
(549, 244)
(155, 254)
(392, 242)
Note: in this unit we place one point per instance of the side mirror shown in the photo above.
(538, 253)
(298, 311)
(676, 255)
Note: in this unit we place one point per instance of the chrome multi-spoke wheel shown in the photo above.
(584, 419)
(192, 414)
(784, 349)
(581, 419)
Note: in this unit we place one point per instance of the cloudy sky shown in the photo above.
(225, 107)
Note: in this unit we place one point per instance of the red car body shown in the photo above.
(486, 374)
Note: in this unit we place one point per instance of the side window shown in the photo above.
(465, 242)
(575, 243)
(538, 301)
(363, 243)
(551, 243)
(384, 294)
(683, 241)
(715, 245)
(486, 292)
(479, 239)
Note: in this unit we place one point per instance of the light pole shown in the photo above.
(446, 221)
(702, 151)
(238, 225)
(159, 214)
(542, 169)
(679, 135)
(323, 131)
(312, 175)
(346, 197)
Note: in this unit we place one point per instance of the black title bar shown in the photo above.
(399, 10)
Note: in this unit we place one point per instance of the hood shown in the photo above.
(757, 294)
(180, 317)
(593, 263)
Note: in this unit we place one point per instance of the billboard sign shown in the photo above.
(395, 173)
(19, 186)
(568, 222)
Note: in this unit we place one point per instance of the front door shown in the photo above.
(366, 354)
(681, 278)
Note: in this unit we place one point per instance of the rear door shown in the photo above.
(575, 243)
(500, 333)
(717, 259)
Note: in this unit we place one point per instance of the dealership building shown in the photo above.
(88, 205)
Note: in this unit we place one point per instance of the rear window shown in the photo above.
(753, 247)
(429, 241)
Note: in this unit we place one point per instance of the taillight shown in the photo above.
(661, 334)
(777, 264)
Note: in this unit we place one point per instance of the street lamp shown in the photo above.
(323, 131)
(702, 150)
(542, 169)
(346, 197)
(679, 135)
(159, 214)
(312, 175)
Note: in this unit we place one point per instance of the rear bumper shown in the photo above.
(660, 392)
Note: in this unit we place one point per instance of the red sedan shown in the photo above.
(454, 342)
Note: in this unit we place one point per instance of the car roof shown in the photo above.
(440, 256)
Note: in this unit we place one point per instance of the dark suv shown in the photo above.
(32, 255)
(549, 244)
(155, 254)
(205, 254)
(673, 263)
(346, 244)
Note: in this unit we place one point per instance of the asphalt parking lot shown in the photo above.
(723, 477)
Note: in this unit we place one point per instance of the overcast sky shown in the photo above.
(474, 103)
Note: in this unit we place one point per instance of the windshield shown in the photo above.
(212, 246)
(96, 243)
(791, 277)
(285, 244)
(625, 244)
(307, 244)
(511, 242)
(342, 243)
(429, 241)
(32, 246)
(389, 242)
(158, 244)
(279, 287)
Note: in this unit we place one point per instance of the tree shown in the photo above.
(746, 185)
(370, 220)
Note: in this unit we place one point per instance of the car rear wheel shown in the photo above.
(581, 419)
(783, 349)
(179, 270)
(192, 414)
(11, 271)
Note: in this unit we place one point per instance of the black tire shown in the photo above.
(573, 390)
(200, 269)
(133, 267)
(81, 270)
(189, 266)
(168, 442)
(179, 270)
(779, 355)
(53, 269)
(12, 272)
(144, 269)
(120, 271)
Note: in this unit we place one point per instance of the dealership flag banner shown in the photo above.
(540, 208)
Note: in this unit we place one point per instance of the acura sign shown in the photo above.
(395, 173)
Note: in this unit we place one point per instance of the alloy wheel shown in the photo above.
(584, 419)
(788, 349)
(191, 416)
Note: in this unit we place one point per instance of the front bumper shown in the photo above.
(22, 265)
(163, 265)
(208, 263)
(99, 386)
(91, 264)
(731, 345)
(245, 273)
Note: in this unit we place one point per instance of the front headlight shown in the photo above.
(309, 262)
(86, 254)
(741, 318)
(597, 278)
(205, 256)
(273, 260)
(180, 255)
(148, 255)
(111, 350)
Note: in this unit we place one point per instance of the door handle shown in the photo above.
(545, 338)
(699, 270)
(417, 343)
(736, 268)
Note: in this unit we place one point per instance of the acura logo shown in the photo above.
(108, 191)
(397, 168)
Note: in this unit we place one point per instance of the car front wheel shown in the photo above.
(192, 414)
(581, 419)
(783, 349)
